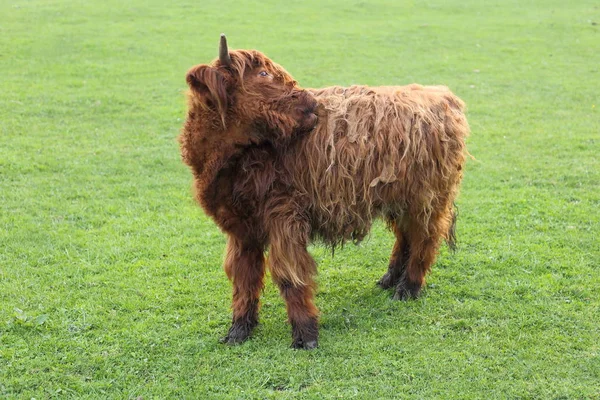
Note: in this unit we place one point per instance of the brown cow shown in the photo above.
(277, 166)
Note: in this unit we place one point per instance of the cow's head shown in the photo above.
(245, 88)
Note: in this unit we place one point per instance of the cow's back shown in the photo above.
(378, 150)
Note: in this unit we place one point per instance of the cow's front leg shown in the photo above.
(293, 269)
(244, 265)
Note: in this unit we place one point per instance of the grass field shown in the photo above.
(110, 276)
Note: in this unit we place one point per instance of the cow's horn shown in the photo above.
(223, 52)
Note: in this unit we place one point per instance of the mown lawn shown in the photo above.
(110, 276)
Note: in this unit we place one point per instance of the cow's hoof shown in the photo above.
(305, 335)
(299, 344)
(406, 291)
(238, 333)
(387, 281)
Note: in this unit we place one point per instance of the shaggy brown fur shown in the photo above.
(277, 166)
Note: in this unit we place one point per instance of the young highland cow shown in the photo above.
(277, 166)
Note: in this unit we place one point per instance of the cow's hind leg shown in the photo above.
(245, 267)
(398, 258)
(423, 242)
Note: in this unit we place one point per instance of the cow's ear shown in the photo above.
(211, 85)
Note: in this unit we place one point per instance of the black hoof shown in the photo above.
(387, 281)
(238, 333)
(232, 340)
(305, 335)
(313, 344)
(406, 291)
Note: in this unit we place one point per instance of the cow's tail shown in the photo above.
(451, 236)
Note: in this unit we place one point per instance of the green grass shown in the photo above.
(110, 276)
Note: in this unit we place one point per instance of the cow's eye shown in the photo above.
(263, 73)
